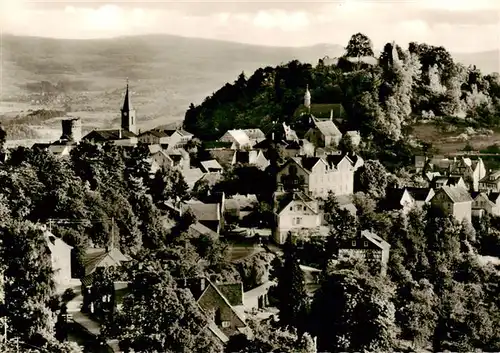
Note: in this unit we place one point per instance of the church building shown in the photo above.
(126, 135)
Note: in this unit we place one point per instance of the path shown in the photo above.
(83, 320)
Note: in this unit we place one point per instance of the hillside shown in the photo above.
(415, 92)
(167, 73)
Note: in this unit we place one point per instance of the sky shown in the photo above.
(459, 25)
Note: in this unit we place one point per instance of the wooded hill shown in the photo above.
(382, 97)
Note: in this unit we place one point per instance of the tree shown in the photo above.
(269, 337)
(372, 178)
(290, 291)
(418, 316)
(353, 311)
(359, 45)
(159, 317)
(28, 286)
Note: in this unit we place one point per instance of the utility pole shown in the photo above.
(112, 233)
(5, 329)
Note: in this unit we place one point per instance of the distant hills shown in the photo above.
(166, 72)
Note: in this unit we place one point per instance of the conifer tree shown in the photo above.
(291, 290)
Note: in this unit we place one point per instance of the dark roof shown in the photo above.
(419, 194)
(475, 194)
(109, 135)
(493, 196)
(266, 144)
(41, 145)
(453, 180)
(127, 103)
(232, 291)
(224, 157)
(322, 111)
(156, 133)
(294, 145)
(216, 144)
(334, 159)
(94, 256)
(309, 162)
(457, 194)
(393, 198)
(242, 157)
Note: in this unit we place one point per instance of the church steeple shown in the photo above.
(307, 98)
(128, 113)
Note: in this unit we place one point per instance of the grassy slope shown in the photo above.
(167, 73)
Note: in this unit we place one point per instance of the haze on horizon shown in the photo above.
(459, 25)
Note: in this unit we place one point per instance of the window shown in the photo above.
(225, 324)
(353, 243)
(291, 208)
(298, 220)
(303, 208)
(365, 244)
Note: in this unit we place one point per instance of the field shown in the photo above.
(167, 73)
(86, 78)
(449, 141)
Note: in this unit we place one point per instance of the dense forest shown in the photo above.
(382, 98)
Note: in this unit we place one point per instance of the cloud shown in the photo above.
(459, 25)
(286, 21)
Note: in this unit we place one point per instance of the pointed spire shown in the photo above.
(127, 104)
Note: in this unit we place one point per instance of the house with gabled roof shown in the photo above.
(408, 197)
(169, 159)
(421, 196)
(179, 138)
(60, 256)
(191, 176)
(294, 212)
(455, 201)
(96, 259)
(154, 137)
(491, 182)
(367, 246)
(317, 176)
(324, 133)
(209, 214)
(485, 203)
(243, 138)
(220, 303)
(452, 181)
(251, 157)
(240, 206)
(399, 199)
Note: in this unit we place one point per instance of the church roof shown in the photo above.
(127, 103)
(109, 135)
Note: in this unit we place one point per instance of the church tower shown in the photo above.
(128, 114)
(307, 98)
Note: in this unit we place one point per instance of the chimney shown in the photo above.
(120, 133)
(202, 284)
(331, 114)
